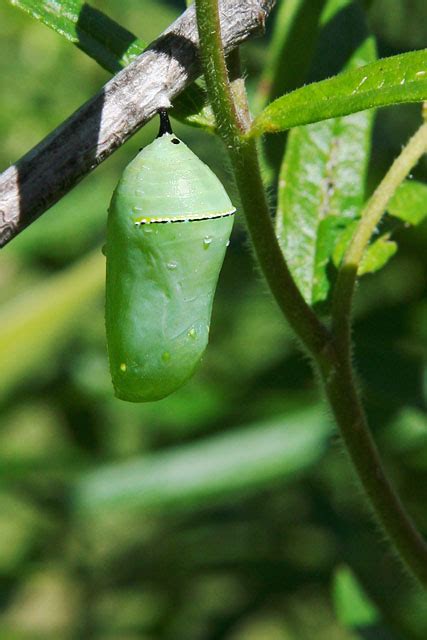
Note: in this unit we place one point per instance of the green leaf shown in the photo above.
(341, 242)
(377, 255)
(289, 57)
(330, 231)
(295, 28)
(394, 80)
(409, 203)
(218, 466)
(322, 179)
(353, 607)
(112, 46)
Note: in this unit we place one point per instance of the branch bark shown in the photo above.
(124, 105)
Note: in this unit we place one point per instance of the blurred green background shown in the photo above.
(228, 510)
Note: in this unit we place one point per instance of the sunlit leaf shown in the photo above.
(397, 79)
(409, 203)
(377, 255)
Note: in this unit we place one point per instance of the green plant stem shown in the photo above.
(244, 158)
(370, 218)
(341, 391)
(334, 366)
(339, 380)
(238, 90)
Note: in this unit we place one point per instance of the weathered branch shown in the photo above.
(105, 122)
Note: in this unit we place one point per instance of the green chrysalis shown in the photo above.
(169, 224)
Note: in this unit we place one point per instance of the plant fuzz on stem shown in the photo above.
(332, 357)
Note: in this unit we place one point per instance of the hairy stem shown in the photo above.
(244, 158)
(334, 364)
(339, 381)
(341, 391)
(370, 218)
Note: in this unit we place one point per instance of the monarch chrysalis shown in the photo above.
(169, 224)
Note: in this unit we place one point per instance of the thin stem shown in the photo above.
(238, 89)
(215, 69)
(340, 385)
(341, 391)
(371, 216)
(334, 365)
(300, 316)
(244, 158)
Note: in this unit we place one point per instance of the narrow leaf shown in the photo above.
(322, 179)
(112, 46)
(218, 466)
(394, 80)
(409, 203)
(295, 28)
